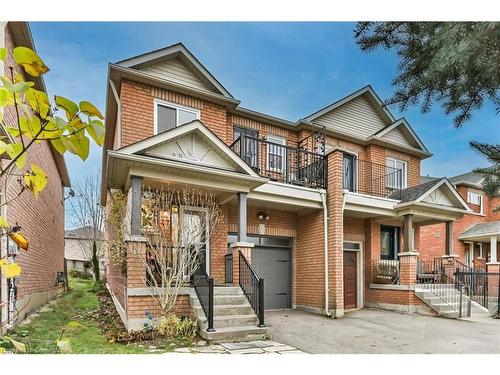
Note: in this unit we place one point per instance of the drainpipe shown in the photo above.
(119, 112)
(325, 247)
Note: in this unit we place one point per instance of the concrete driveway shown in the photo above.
(378, 331)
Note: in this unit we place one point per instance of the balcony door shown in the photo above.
(249, 146)
(349, 173)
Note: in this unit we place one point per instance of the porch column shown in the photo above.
(493, 249)
(242, 217)
(409, 242)
(449, 238)
(135, 206)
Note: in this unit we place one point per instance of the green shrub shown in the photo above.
(79, 274)
(173, 326)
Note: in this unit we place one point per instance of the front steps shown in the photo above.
(234, 318)
(445, 306)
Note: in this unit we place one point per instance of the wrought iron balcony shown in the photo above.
(360, 176)
(282, 163)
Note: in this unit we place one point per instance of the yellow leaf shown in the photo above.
(96, 130)
(77, 144)
(90, 110)
(74, 324)
(6, 97)
(58, 145)
(16, 150)
(2, 350)
(3, 53)
(35, 180)
(38, 101)
(20, 240)
(69, 107)
(30, 61)
(3, 222)
(10, 270)
(3, 261)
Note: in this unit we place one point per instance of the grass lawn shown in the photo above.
(75, 306)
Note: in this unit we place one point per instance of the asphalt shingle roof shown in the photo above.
(480, 229)
(413, 193)
(469, 178)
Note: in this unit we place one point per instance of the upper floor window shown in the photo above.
(396, 177)
(476, 199)
(275, 153)
(349, 172)
(169, 115)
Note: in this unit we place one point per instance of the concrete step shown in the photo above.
(229, 299)
(223, 321)
(224, 310)
(227, 290)
(234, 334)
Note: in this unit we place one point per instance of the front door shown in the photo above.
(350, 280)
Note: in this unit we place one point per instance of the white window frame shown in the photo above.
(405, 172)
(469, 200)
(175, 106)
(278, 140)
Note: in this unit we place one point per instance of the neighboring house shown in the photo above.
(313, 205)
(41, 219)
(78, 249)
(476, 234)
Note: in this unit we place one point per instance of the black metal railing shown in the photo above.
(366, 177)
(484, 288)
(450, 291)
(385, 271)
(204, 288)
(252, 286)
(228, 261)
(282, 163)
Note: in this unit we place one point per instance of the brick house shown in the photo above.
(312, 206)
(476, 234)
(41, 219)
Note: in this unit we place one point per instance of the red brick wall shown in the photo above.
(139, 305)
(41, 219)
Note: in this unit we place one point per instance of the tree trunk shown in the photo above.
(95, 262)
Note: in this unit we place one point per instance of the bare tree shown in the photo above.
(86, 212)
(177, 226)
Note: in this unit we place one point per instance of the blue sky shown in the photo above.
(284, 69)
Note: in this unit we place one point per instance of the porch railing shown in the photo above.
(282, 163)
(203, 286)
(370, 178)
(228, 261)
(385, 271)
(484, 288)
(252, 286)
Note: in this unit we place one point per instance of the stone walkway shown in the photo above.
(250, 347)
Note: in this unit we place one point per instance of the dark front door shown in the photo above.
(389, 242)
(350, 280)
(249, 146)
(274, 266)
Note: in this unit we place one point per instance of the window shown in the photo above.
(349, 173)
(389, 242)
(396, 174)
(248, 145)
(170, 115)
(275, 153)
(476, 199)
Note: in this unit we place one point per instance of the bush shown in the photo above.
(79, 274)
(173, 326)
(96, 286)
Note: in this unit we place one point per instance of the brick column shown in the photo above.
(408, 268)
(136, 272)
(246, 250)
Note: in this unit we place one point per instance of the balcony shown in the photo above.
(282, 163)
(373, 179)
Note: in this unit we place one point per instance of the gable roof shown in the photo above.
(368, 91)
(180, 52)
(436, 192)
(471, 179)
(481, 229)
(406, 130)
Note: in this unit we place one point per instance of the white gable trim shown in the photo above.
(443, 183)
(193, 126)
(401, 122)
(348, 98)
(172, 51)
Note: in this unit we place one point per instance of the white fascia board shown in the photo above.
(371, 204)
(287, 194)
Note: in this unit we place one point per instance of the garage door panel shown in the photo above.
(274, 266)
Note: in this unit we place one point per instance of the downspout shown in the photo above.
(325, 248)
(119, 114)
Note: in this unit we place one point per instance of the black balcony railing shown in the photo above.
(365, 177)
(282, 163)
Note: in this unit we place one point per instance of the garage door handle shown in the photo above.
(282, 261)
(281, 294)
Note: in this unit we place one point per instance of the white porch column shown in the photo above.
(493, 249)
(449, 238)
(242, 217)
